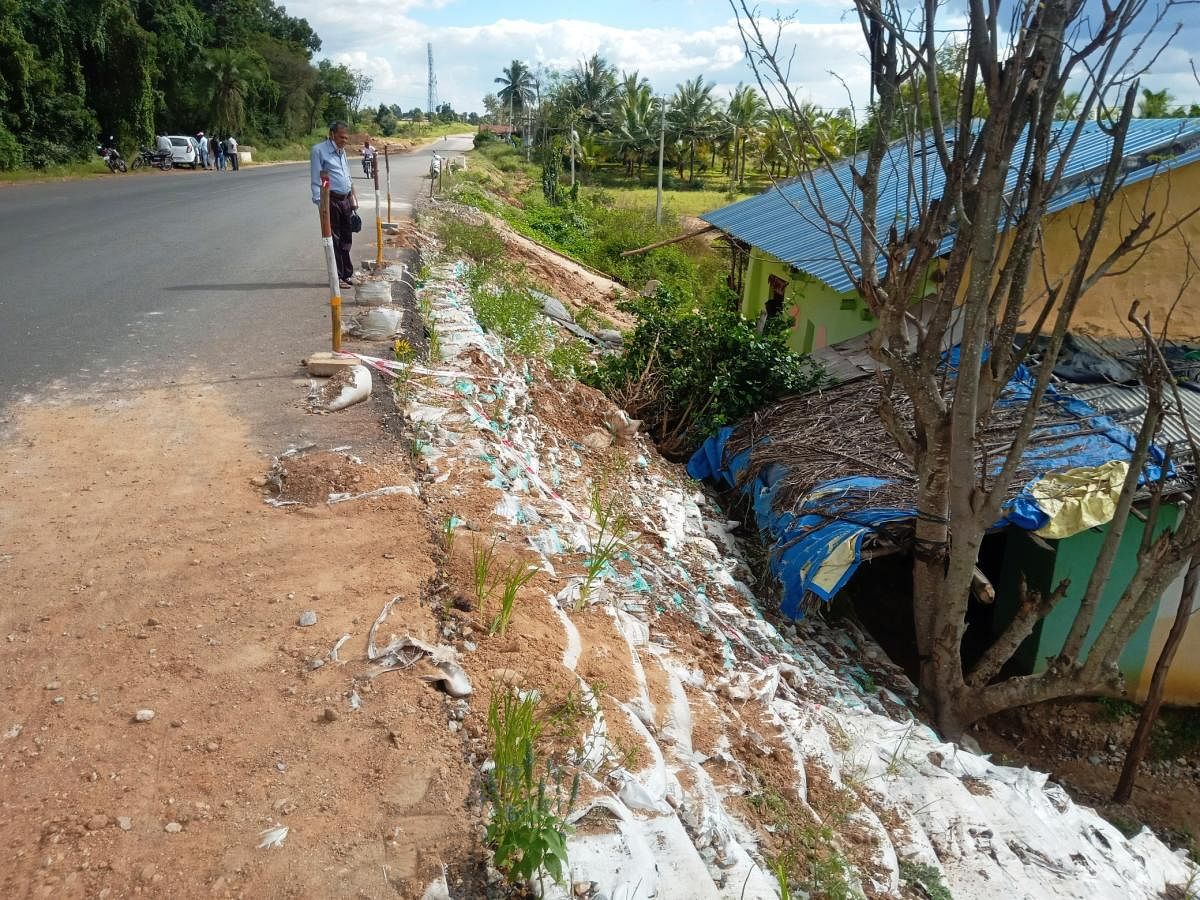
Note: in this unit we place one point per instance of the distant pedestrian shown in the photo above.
(231, 150)
(202, 149)
(329, 160)
(218, 150)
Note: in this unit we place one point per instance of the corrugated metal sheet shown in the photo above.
(808, 222)
(1128, 406)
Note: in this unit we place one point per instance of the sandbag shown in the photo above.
(373, 293)
(380, 323)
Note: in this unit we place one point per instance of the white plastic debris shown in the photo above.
(356, 390)
(452, 678)
(410, 489)
(272, 838)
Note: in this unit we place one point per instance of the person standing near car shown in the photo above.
(328, 159)
(218, 152)
(231, 150)
(202, 150)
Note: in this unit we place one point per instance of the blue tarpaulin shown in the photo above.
(816, 545)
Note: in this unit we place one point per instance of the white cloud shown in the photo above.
(382, 40)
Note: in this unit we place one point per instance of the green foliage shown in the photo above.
(686, 373)
(1114, 710)
(72, 72)
(1175, 734)
(478, 243)
(527, 830)
(569, 358)
(481, 138)
(514, 313)
(483, 562)
(925, 877)
(515, 578)
(449, 529)
(611, 533)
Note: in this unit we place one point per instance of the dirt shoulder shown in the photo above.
(145, 572)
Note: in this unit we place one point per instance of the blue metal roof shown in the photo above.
(791, 221)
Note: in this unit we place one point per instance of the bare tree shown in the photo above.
(987, 183)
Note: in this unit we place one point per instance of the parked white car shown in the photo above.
(183, 150)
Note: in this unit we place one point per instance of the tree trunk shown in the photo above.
(1141, 737)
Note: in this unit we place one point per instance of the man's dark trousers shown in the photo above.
(340, 210)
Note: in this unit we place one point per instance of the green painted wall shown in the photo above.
(1074, 559)
(824, 316)
(1021, 556)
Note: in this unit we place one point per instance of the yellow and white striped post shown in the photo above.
(335, 289)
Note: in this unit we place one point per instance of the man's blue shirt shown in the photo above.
(326, 157)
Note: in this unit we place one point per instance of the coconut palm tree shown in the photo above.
(691, 116)
(636, 128)
(595, 91)
(517, 87)
(1067, 105)
(231, 76)
(631, 87)
(745, 113)
(1155, 104)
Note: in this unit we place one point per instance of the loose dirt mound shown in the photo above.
(311, 477)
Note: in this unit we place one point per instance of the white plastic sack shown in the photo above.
(380, 323)
(373, 293)
(356, 389)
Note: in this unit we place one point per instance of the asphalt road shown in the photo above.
(134, 278)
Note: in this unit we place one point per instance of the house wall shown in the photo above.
(820, 315)
(1074, 559)
(1156, 278)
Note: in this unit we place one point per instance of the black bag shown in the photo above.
(355, 223)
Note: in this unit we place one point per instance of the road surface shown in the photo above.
(141, 276)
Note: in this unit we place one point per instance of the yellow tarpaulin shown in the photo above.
(1079, 499)
(834, 565)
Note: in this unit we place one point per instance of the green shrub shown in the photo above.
(481, 138)
(478, 243)
(686, 372)
(527, 830)
(569, 359)
(513, 313)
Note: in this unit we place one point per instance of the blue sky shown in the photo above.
(666, 40)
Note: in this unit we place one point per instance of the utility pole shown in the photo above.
(662, 140)
(574, 139)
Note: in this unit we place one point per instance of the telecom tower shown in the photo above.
(432, 82)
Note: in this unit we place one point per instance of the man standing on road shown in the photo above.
(231, 151)
(329, 159)
(218, 152)
(202, 149)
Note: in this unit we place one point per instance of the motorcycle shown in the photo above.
(111, 157)
(160, 158)
(368, 166)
